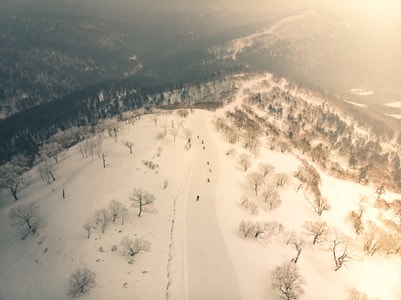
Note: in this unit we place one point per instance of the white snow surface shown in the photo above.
(396, 104)
(197, 251)
(355, 103)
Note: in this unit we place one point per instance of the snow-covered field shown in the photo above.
(197, 251)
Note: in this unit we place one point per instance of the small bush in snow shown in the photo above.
(134, 246)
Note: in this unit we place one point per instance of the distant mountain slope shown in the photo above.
(322, 49)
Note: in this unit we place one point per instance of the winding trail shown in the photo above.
(209, 272)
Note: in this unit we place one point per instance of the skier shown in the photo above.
(197, 198)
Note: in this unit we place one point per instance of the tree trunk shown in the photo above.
(14, 192)
(28, 224)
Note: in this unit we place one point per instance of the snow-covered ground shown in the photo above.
(197, 251)
(361, 92)
(394, 104)
(355, 103)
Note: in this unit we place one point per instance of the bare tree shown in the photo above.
(11, 174)
(281, 179)
(143, 200)
(183, 113)
(134, 246)
(380, 191)
(246, 228)
(104, 219)
(188, 133)
(319, 204)
(289, 237)
(356, 220)
(124, 214)
(231, 151)
(116, 208)
(355, 217)
(174, 132)
(255, 179)
(298, 244)
(88, 229)
(339, 249)
(130, 145)
(81, 281)
(306, 173)
(25, 214)
(263, 230)
(288, 281)
(354, 294)
(104, 160)
(266, 169)
(245, 161)
(46, 168)
(249, 206)
(52, 150)
(318, 230)
(373, 238)
(271, 197)
(155, 117)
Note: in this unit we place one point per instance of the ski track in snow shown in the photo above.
(209, 271)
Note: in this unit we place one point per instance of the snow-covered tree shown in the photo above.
(354, 294)
(103, 218)
(318, 203)
(255, 179)
(373, 238)
(46, 168)
(11, 174)
(249, 206)
(52, 150)
(143, 200)
(266, 169)
(81, 281)
(246, 228)
(318, 230)
(271, 197)
(281, 179)
(288, 281)
(245, 161)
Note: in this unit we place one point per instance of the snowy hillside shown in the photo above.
(292, 35)
(211, 232)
